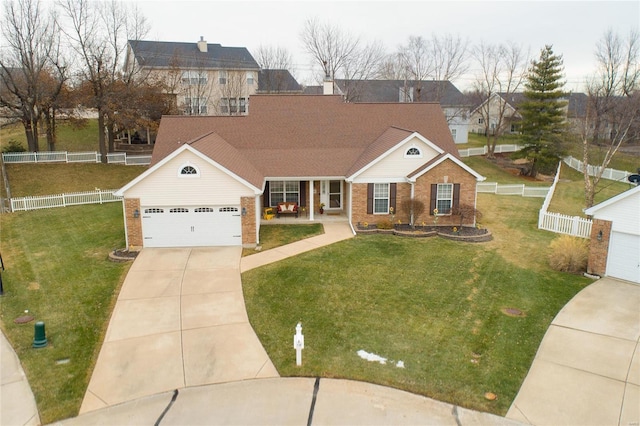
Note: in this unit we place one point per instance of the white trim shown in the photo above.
(395, 148)
(381, 180)
(593, 209)
(174, 154)
(448, 156)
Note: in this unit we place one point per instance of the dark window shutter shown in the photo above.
(265, 196)
(434, 196)
(369, 198)
(456, 195)
(392, 195)
(303, 193)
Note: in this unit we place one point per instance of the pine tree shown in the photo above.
(543, 115)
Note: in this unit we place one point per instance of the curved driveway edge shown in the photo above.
(179, 321)
(288, 401)
(587, 369)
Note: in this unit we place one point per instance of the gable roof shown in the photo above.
(594, 209)
(166, 54)
(439, 159)
(277, 81)
(442, 91)
(307, 136)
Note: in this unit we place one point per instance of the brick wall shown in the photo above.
(134, 225)
(249, 237)
(447, 172)
(599, 247)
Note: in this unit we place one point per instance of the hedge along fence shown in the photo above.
(63, 200)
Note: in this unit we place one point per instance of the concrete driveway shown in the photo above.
(179, 321)
(587, 368)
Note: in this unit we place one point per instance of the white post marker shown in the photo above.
(298, 344)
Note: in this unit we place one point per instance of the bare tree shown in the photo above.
(502, 69)
(31, 73)
(340, 54)
(613, 106)
(99, 32)
(277, 60)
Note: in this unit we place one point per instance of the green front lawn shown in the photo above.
(272, 236)
(57, 269)
(434, 304)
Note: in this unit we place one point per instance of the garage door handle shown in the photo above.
(192, 228)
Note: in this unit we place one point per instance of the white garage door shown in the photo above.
(190, 226)
(624, 257)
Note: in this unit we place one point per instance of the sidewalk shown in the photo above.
(333, 232)
(17, 404)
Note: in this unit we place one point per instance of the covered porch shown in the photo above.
(316, 199)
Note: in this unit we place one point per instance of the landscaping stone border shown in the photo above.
(479, 238)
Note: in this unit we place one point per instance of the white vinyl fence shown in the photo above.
(63, 200)
(74, 157)
(560, 223)
(509, 189)
(483, 150)
(610, 174)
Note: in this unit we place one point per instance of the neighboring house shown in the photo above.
(453, 103)
(277, 81)
(211, 177)
(575, 111)
(615, 237)
(488, 111)
(203, 78)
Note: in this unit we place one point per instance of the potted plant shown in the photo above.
(321, 208)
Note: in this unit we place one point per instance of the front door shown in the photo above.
(331, 194)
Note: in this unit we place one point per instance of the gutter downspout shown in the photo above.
(353, 230)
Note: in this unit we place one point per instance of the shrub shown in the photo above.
(413, 209)
(13, 146)
(569, 254)
(384, 224)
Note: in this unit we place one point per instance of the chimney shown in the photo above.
(327, 85)
(202, 45)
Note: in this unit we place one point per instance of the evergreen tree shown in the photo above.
(543, 115)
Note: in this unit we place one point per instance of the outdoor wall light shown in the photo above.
(599, 235)
(136, 213)
(244, 211)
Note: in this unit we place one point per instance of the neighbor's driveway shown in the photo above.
(179, 321)
(587, 369)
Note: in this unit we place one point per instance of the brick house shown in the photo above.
(211, 178)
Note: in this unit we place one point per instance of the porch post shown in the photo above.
(311, 197)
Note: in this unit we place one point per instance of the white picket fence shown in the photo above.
(563, 224)
(75, 157)
(62, 200)
(512, 189)
(560, 223)
(483, 150)
(610, 174)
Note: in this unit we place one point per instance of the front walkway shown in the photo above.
(179, 321)
(17, 404)
(334, 231)
(587, 369)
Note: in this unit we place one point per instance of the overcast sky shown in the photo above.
(572, 27)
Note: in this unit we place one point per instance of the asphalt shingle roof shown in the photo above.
(166, 54)
(306, 136)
